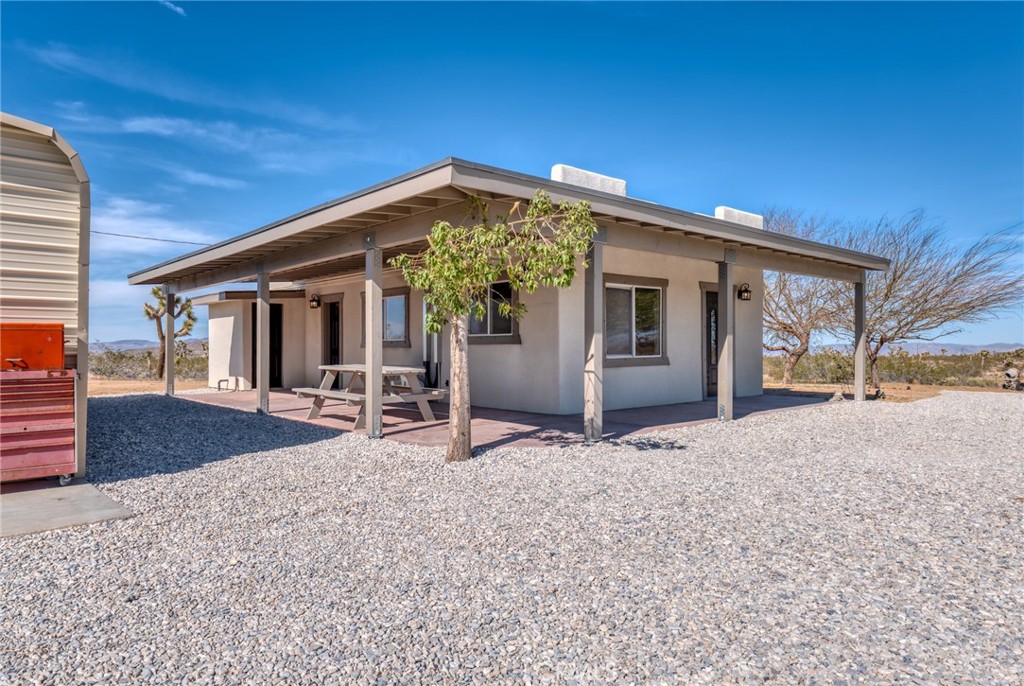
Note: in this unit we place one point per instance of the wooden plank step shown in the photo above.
(328, 393)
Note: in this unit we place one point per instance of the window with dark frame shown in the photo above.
(396, 325)
(633, 321)
(395, 315)
(494, 323)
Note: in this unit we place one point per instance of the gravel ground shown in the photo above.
(847, 543)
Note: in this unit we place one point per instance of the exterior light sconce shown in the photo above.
(744, 292)
(314, 302)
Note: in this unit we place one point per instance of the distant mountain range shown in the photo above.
(137, 344)
(936, 348)
(930, 348)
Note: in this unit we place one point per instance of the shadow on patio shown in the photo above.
(496, 428)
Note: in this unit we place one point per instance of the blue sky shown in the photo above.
(197, 121)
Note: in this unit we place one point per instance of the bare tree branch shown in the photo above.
(932, 285)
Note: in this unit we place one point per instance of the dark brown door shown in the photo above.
(711, 341)
(332, 336)
(276, 340)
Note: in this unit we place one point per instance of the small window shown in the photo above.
(633, 321)
(395, 324)
(395, 315)
(494, 323)
(495, 327)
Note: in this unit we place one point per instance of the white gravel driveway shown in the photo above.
(847, 543)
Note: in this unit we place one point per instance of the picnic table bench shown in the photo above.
(393, 392)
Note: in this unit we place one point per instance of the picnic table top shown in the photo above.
(358, 368)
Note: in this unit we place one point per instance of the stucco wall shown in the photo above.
(521, 376)
(506, 376)
(230, 332)
(227, 357)
(682, 380)
(750, 334)
(544, 373)
(352, 351)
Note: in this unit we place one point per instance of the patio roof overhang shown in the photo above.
(329, 239)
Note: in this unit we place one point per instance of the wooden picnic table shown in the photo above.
(354, 394)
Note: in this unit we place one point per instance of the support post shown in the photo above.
(726, 337)
(374, 337)
(593, 341)
(169, 339)
(263, 342)
(860, 347)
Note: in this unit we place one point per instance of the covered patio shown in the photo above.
(355, 236)
(493, 428)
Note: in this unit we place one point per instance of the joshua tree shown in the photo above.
(538, 247)
(181, 307)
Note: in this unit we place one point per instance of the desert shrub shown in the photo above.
(980, 369)
(142, 364)
(832, 366)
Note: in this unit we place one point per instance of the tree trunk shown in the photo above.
(160, 359)
(460, 442)
(791, 359)
(876, 379)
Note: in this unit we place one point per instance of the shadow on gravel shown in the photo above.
(140, 435)
(650, 443)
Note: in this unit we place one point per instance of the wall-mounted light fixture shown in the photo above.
(314, 302)
(744, 292)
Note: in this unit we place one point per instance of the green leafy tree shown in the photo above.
(182, 307)
(538, 246)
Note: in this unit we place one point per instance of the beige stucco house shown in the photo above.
(668, 312)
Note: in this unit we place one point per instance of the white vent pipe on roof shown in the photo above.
(588, 179)
(735, 216)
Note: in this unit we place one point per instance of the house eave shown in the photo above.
(471, 178)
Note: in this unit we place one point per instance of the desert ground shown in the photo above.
(842, 543)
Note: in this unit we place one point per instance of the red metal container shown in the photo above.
(37, 424)
(31, 346)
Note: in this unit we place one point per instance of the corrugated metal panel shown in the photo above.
(37, 424)
(40, 197)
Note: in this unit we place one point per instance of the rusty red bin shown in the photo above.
(37, 404)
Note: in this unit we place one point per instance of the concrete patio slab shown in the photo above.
(493, 428)
(29, 507)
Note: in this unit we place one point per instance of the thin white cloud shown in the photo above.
(130, 74)
(117, 293)
(172, 7)
(270, 148)
(224, 134)
(128, 216)
(199, 178)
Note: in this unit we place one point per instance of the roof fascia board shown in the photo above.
(663, 243)
(415, 183)
(502, 182)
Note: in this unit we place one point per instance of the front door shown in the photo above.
(711, 342)
(276, 339)
(332, 336)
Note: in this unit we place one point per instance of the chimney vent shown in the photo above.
(588, 179)
(739, 217)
